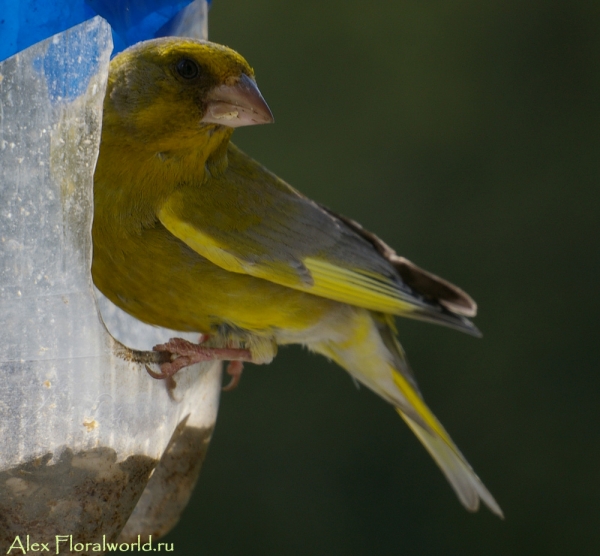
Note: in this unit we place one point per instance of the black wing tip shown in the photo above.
(440, 315)
(434, 288)
(442, 302)
(475, 332)
(423, 283)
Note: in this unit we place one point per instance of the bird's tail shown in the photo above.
(372, 354)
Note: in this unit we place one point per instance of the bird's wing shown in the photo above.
(249, 221)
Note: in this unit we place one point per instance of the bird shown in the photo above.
(192, 234)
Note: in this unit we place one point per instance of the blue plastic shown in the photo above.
(68, 77)
(26, 22)
(136, 20)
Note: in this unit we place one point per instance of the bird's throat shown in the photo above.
(138, 189)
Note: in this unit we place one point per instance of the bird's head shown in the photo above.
(174, 89)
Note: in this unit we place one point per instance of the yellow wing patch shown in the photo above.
(200, 242)
(220, 254)
(355, 288)
(319, 277)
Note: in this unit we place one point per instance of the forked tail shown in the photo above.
(372, 354)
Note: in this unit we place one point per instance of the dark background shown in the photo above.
(467, 135)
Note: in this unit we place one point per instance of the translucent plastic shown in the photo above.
(191, 21)
(84, 431)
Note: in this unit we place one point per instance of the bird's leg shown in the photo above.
(182, 353)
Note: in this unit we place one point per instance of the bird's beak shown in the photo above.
(237, 105)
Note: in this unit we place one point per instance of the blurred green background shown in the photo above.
(467, 135)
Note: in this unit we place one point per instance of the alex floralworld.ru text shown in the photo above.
(66, 543)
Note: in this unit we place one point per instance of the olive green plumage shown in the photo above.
(192, 234)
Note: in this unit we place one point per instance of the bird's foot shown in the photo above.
(180, 353)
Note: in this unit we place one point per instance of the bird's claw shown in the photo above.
(234, 370)
(179, 353)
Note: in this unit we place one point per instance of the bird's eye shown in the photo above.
(188, 69)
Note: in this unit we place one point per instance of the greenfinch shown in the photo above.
(191, 234)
